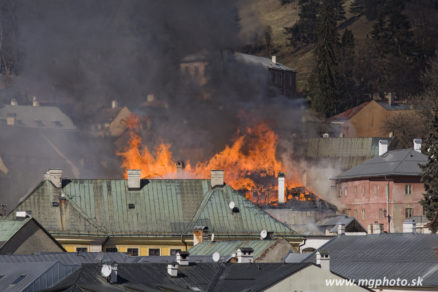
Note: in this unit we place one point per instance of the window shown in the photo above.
(408, 213)
(408, 189)
(132, 252)
(363, 214)
(154, 251)
(345, 192)
(380, 213)
(173, 252)
(55, 204)
(375, 189)
(131, 206)
(355, 213)
(355, 190)
(111, 249)
(363, 191)
(16, 281)
(81, 249)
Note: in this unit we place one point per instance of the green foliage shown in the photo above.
(430, 174)
(304, 31)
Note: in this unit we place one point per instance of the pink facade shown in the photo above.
(368, 200)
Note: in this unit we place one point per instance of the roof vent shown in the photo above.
(383, 147)
(172, 269)
(217, 178)
(245, 255)
(134, 178)
(35, 102)
(182, 258)
(54, 176)
(417, 145)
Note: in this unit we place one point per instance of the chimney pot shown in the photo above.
(172, 269)
(409, 226)
(274, 59)
(134, 176)
(281, 188)
(14, 102)
(323, 259)
(383, 147)
(245, 255)
(54, 176)
(217, 178)
(182, 258)
(417, 145)
(180, 166)
(341, 229)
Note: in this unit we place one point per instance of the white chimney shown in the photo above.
(245, 255)
(383, 147)
(341, 229)
(326, 135)
(134, 178)
(417, 145)
(274, 59)
(172, 269)
(409, 226)
(14, 102)
(217, 178)
(35, 102)
(54, 176)
(281, 188)
(114, 104)
(22, 214)
(323, 259)
(377, 228)
(182, 258)
(370, 229)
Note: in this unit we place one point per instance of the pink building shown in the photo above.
(385, 189)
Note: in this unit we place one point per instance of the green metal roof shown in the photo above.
(160, 207)
(8, 228)
(227, 248)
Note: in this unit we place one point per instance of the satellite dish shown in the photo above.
(216, 257)
(263, 234)
(232, 205)
(106, 271)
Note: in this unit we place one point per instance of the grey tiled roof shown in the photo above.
(394, 255)
(396, 162)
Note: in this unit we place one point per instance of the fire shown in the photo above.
(250, 162)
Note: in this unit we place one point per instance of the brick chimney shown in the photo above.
(417, 145)
(134, 180)
(245, 255)
(323, 259)
(383, 147)
(217, 178)
(54, 176)
(281, 188)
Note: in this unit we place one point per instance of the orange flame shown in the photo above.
(250, 158)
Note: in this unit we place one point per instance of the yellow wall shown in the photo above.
(143, 249)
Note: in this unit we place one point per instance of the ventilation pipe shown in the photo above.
(383, 147)
(417, 145)
(134, 178)
(281, 188)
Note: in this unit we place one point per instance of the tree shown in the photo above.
(430, 174)
(304, 31)
(326, 92)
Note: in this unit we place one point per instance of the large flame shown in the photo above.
(250, 164)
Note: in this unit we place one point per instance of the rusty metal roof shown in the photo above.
(160, 207)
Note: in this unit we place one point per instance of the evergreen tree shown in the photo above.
(340, 11)
(430, 174)
(326, 88)
(304, 31)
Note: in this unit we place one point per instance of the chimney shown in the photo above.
(341, 229)
(54, 176)
(199, 234)
(383, 147)
(172, 269)
(114, 271)
(134, 178)
(10, 119)
(409, 226)
(323, 259)
(114, 104)
(23, 214)
(417, 145)
(14, 102)
(182, 258)
(274, 59)
(245, 255)
(281, 189)
(35, 102)
(390, 98)
(180, 167)
(377, 228)
(217, 178)
(326, 135)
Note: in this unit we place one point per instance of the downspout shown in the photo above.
(387, 205)
(183, 241)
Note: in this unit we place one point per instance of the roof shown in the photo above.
(332, 222)
(37, 116)
(390, 255)
(9, 227)
(403, 162)
(265, 62)
(107, 115)
(201, 276)
(162, 206)
(227, 248)
(349, 113)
